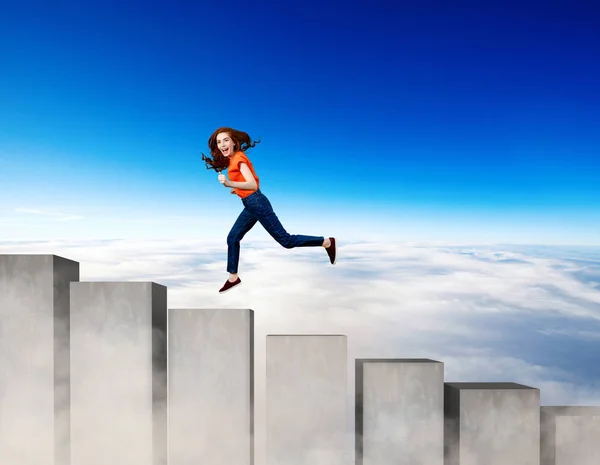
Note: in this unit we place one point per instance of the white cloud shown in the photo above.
(576, 334)
(57, 216)
(375, 288)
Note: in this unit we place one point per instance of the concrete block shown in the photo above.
(491, 424)
(118, 373)
(211, 386)
(570, 435)
(306, 400)
(399, 412)
(34, 358)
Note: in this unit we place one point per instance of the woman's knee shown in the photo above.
(286, 242)
(232, 239)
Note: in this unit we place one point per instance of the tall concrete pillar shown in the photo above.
(570, 435)
(34, 358)
(491, 424)
(211, 387)
(306, 402)
(399, 412)
(118, 373)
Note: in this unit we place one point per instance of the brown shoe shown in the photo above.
(228, 285)
(331, 250)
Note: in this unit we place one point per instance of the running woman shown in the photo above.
(227, 147)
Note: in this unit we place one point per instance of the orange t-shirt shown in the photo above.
(236, 175)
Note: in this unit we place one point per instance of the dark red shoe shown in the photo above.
(331, 250)
(228, 285)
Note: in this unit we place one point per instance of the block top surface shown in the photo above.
(487, 386)
(396, 360)
(35, 256)
(573, 410)
(306, 335)
(113, 283)
(211, 309)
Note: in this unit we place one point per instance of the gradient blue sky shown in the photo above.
(437, 120)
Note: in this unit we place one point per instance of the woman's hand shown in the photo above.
(223, 180)
(232, 191)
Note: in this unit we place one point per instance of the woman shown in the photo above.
(227, 147)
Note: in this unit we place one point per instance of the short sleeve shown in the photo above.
(241, 159)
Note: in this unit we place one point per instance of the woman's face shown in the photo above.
(225, 144)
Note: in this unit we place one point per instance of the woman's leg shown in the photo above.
(243, 224)
(263, 211)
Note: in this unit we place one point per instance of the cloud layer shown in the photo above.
(529, 315)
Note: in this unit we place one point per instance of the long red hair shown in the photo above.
(219, 162)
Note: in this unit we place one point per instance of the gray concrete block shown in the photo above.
(211, 386)
(34, 358)
(399, 412)
(306, 400)
(570, 435)
(491, 424)
(118, 373)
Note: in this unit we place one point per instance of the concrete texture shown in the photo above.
(306, 400)
(399, 412)
(34, 358)
(118, 373)
(570, 435)
(491, 424)
(211, 386)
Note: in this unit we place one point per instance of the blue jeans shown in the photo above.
(258, 208)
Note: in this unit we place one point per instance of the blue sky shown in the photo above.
(469, 120)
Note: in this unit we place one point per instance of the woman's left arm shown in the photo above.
(249, 181)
